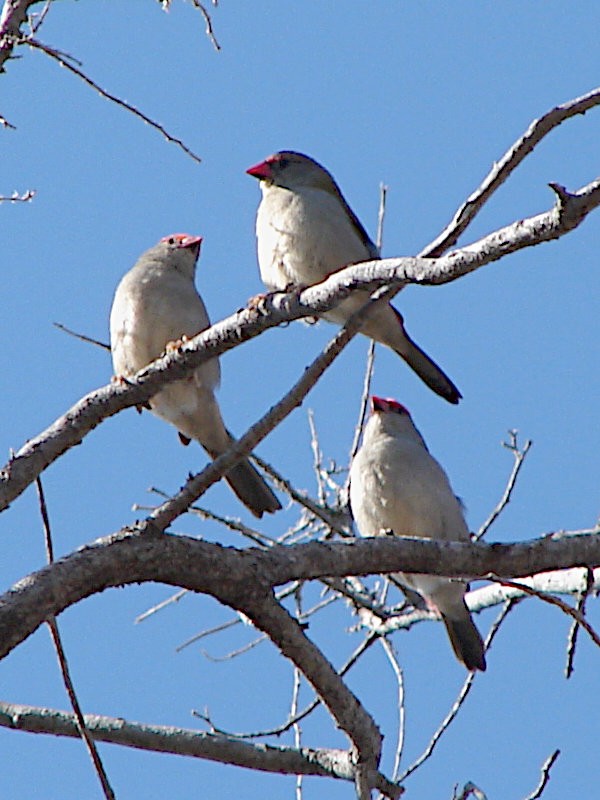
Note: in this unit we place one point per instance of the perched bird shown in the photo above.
(306, 231)
(155, 304)
(397, 486)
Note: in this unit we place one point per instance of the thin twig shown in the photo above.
(35, 19)
(462, 695)
(544, 777)
(245, 648)
(467, 790)
(81, 336)
(62, 660)
(64, 62)
(572, 638)
(175, 598)
(519, 457)
(317, 458)
(331, 518)
(390, 652)
(15, 197)
(296, 698)
(364, 402)
(383, 190)
(554, 601)
(209, 28)
(261, 539)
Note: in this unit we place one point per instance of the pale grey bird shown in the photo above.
(397, 486)
(306, 231)
(157, 303)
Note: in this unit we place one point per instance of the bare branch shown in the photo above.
(336, 520)
(207, 19)
(462, 696)
(572, 639)
(64, 666)
(15, 197)
(544, 777)
(181, 741)
(14, 14)
(507, 164)
(270, 617)
(145, 554)
(519, 458)
(392, 656)
(554, 601)
(65, 62)
(81, 336)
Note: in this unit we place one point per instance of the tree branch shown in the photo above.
(145, 554)
(507, 164)
(181, 741)
(277, 309)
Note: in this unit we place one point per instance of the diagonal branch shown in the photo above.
(272, 618)
(507, 164)
(70, 429)
(64, 62)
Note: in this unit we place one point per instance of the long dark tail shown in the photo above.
(386, 325)
(251, 489)
(466, 641)
(428, 370)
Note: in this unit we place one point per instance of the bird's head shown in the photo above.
(292, 170)
(180, 251)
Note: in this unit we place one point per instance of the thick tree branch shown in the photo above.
(277, 309)
(143, 554)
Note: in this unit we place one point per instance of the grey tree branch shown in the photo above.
(14, 14)
(507, 164)
(144, 553)
(180, 741)
(72, 427)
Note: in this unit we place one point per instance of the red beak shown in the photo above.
(191, 241)
(379, 404)
(260, 171)
(387, 404)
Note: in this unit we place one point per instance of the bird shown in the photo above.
(397, 486)
(306, 231)
(156, 305)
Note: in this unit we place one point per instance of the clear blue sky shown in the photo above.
(424, 97)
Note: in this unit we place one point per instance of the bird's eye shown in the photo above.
(171, 240)
(283, 163)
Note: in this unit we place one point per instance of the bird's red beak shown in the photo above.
(183, 240)
(191, 241)
(387, 404)
(379, 404)
(260, 171)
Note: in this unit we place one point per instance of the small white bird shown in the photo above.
(157, 303)
(396, 485)
(306, 231)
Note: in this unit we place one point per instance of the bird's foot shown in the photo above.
(175, 344)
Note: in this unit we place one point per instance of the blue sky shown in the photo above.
(424, 97)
